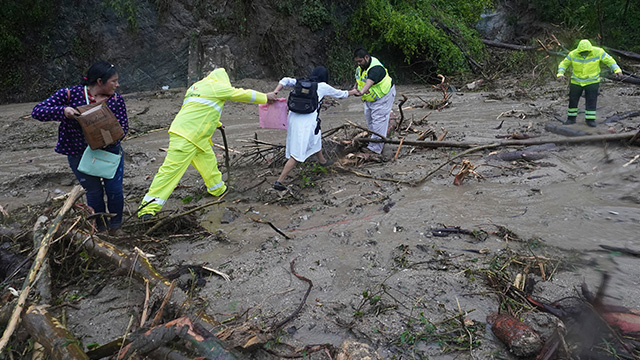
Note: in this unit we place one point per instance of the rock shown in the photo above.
(353, 350)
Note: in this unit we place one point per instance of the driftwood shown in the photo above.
(37, 263)
(48, 331)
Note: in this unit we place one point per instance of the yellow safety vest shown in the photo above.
(200, 113)
(378, 90)
(586, 70)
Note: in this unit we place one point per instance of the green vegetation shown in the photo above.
(436, 32)
(614, 23)
(21, 23)
(313, 14)
(309, 172)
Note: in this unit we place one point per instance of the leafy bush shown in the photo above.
(313, 14)
(434, 31)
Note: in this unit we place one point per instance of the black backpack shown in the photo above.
(303, 99)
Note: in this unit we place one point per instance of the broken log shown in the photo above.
(76, 192)
(509, 46)
(628, 54)
(136, 264)
(563, 130)
(618, 117)
(51, 334)
(530, 153)
(625, 79)
(495, 144)
(204, 342)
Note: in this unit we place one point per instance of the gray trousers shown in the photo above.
(376, 113)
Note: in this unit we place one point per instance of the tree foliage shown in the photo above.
(440, 32)
(614, 23)
(21, 22)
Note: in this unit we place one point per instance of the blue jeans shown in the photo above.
(96, 188)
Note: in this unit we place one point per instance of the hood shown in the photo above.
(219, 74)
(584, 45)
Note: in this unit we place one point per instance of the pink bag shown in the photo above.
(274, 115)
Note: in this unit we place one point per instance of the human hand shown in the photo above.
(70, 112)
(618, 75)
(354, 92)
(272, 96)
(560, 78)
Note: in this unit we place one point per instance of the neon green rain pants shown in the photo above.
(181, 153)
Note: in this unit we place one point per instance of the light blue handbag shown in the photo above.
(99, 163)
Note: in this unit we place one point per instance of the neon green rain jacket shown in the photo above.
(200, 113)
(586, 69)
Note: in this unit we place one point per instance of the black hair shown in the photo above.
(360, 53)
(100, 70)
(320, 74)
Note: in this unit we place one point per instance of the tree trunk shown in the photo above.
(48, 331)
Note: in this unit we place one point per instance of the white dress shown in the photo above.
(301, 140)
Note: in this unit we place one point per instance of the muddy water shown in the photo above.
(341, 236)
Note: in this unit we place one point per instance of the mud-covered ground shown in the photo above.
(379, 272)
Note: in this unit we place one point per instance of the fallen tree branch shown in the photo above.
(272, 226)
(536, 141)
(384, 138)
(509, 46)
(469, 151)
(400, 181)
(76, 192)
(628, 54)
(169, 218)
(404, 99)
(304, 298)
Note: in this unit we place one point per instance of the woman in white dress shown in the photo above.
(304, 137)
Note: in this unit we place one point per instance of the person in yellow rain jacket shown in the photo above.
(190, 138)
(585, 62)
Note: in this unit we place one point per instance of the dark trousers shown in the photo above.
(97, 187)
(591, 97)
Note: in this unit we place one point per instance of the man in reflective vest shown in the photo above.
(378, 93)
(585, 61)
(190, 138)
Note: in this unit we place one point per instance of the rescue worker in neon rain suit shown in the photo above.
(585, 62)
(190, 138)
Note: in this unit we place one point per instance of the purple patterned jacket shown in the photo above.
(70, 138)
